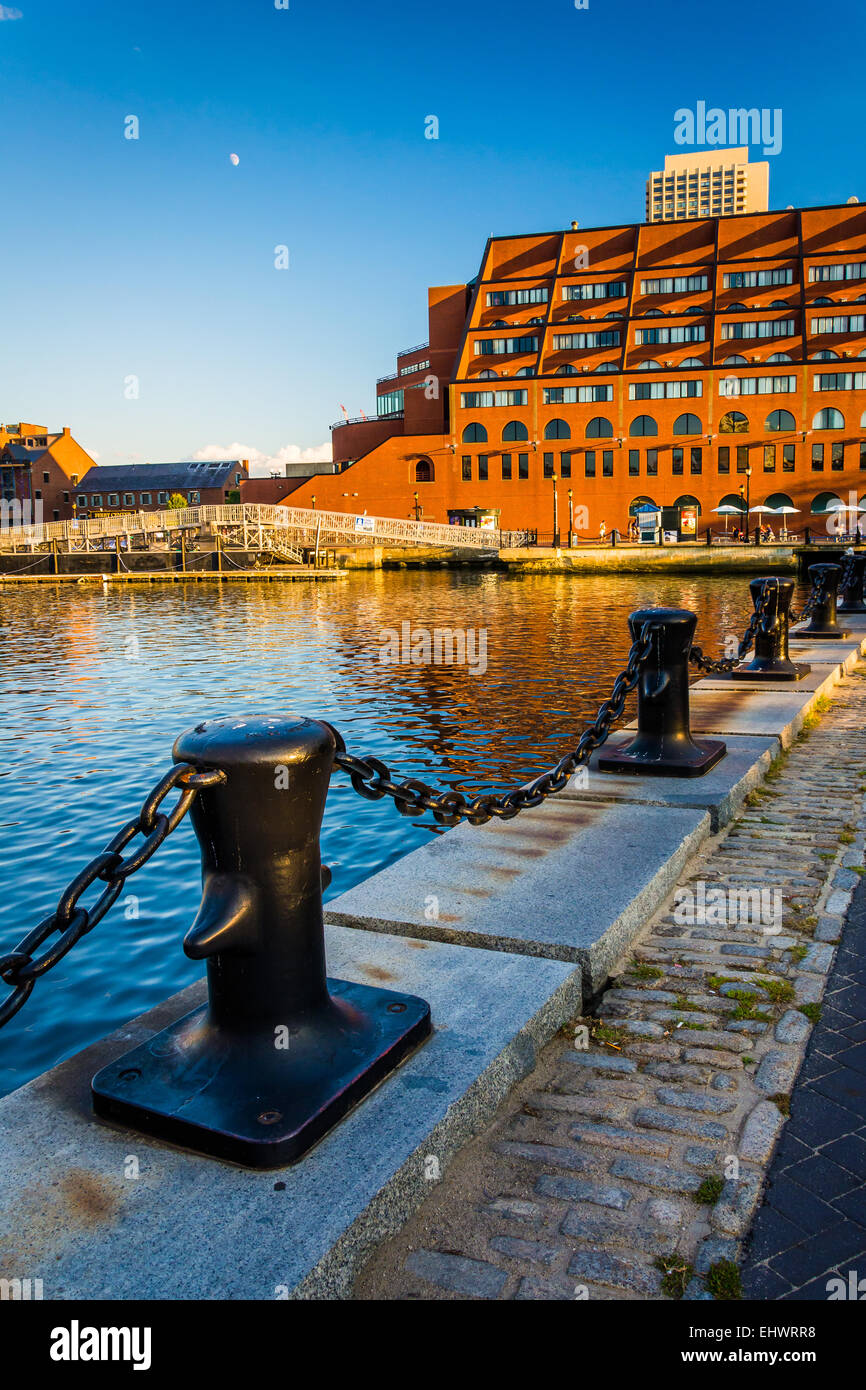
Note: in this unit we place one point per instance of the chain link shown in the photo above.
(756, 622)
(816, 597)
(371, 778)
(21, 968)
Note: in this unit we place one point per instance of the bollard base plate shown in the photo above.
(823, 633)
(246, 1100)
(791, 671)
(691, 762)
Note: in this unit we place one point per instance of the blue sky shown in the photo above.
(154, 258)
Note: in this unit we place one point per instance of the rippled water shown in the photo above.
(96, 683)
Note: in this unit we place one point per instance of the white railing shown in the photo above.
(305, 525)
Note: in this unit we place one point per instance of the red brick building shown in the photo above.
(665, 362)
(40, 470)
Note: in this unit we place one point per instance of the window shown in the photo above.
(161, 498)
(841, 381)
(589, 463)
(563, 341)
(557, 429)
(46, 477)
(687, 424)
(676, 461)
(822, 501)
(756, 385)
(194, 499)
(606, 289)
(96, 499)
(389, 404)
(424, 471)
(474, 434)
(684, 333)
(523, 465)
(565, 465)
(839, 323)
(724, 459)
(113, 499)
(696, 456)
(817, 458)
(679, 284)
(536, 295)
(634, 463)
(652, 462)
(755, 279)
(515, 429)
(788, 457)
(466, 468)
(572, 395)
(607, 463)
(482, 468)
(81, 500)
(759, 328)
(478, 400)
(599, 428)
(66, 496)
(500, 347)
(547, 469)
(769, 458)
(863, 455)
(779, 420)
(852, 270)
(146, 499)
(734, 423)
(414, 367)
(664, 390)
(38, 494)
(829, 419)
(506, 468)
(642, 425)
(129, 499)
(837, 456)
(742, 457)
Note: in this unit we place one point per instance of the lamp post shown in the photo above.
(313, 501)
(570, 520)
(745, 493)
(417, 507)
(555, 514)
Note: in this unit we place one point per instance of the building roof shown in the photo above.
(161, 477)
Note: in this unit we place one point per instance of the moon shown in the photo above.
(235, 159)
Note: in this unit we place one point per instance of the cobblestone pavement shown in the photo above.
(631, 1162)
(811, 1227)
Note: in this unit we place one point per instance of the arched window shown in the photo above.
(735, 360)
(778, 499)
(691, 362)
(607, 367)
(525, 371)
(638, 503)
(734, 422)
(735, 309)
(487, 375)
(779, 420)
(693, 309)
(825, 355)
(651, 314)
(614, 314)
(599, 428)
(822, 502)
(829, 419)
(688, 501)
(566, 370)
(515, 429)
(822, 300)
(474, 434)
(557, 429)
(424, 471)
(863, 421)
(780, 357)
(643, 425)
(732, 499)
(648, 365)
(687, 424)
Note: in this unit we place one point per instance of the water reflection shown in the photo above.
(95, 683)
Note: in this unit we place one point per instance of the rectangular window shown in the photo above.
(769, 458)
(565, 465)
(479, 400)
(389, 404)
(38, 494)
(506, 468)
(724, 459)
(684, 333)
(606, 289)
(742, 457)
(96, 499)
(113, 499)
(634, 463)
(499, 298)
(523, 465)
(129, 499)
(664, 390)
(817, 458)
(679, 284)
(482, 468)
(589, 463)
(46, 477)
(161, 498)
(572, 395)
(501, 347)
(81, 500)
(863, 455)
(761, 328)
(839, 323)
(607, 463)
(757, 385)
(676, 461)
(756, 279)
(652, 463)
(563, 341)
(467, 468)
(146, 499)
(841, 381)
(788, 457)
(696, 464)
(194, 499)
(851, 270)
(837, 456)
(548, 466)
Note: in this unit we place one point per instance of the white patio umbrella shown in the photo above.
(784, 512)
(727, 510)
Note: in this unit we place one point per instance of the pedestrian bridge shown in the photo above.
(285, 530)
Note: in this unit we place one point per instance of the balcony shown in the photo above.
(367, 419)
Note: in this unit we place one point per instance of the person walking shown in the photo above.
(602, 531)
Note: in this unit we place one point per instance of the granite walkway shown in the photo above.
(631, 1163)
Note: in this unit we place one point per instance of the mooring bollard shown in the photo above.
(664, 746)
(822, 623)
(852, 600)
(279, 1053)
(771, 660)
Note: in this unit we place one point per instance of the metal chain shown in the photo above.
(371, 778)
(816, 597)
(756, 621)
(19, 968)
(847, 573)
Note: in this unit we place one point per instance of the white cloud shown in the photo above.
(7, 13)
(261, 464)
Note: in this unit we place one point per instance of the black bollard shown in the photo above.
(822, 623)
(771, 660)
(279, 1053)
(664, 746)
(852, 600)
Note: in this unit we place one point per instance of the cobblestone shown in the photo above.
(629, 1131)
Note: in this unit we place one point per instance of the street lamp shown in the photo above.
(313, 500)
(555, 514)
(417, 508)
(745, 492)
(570, 520)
